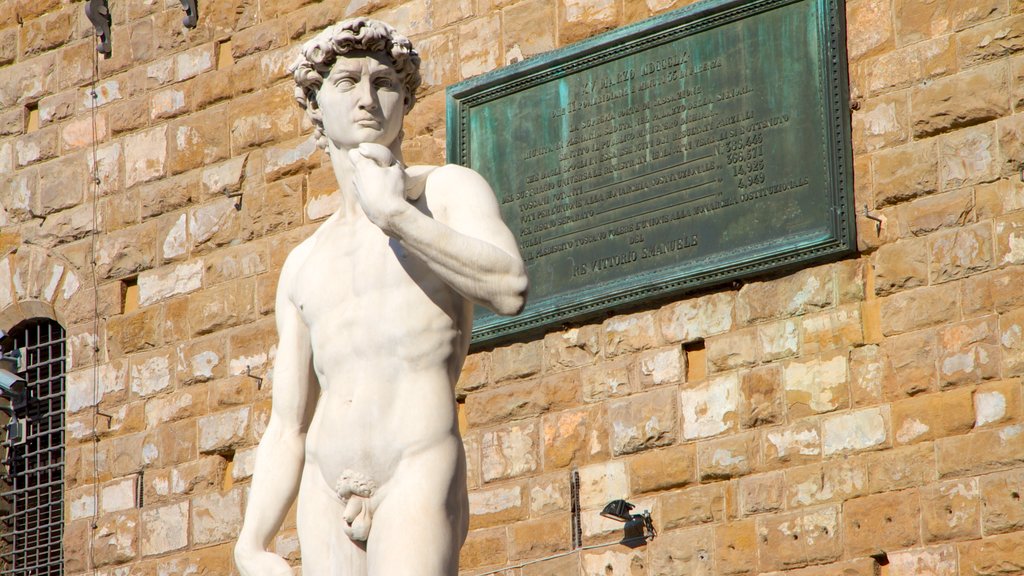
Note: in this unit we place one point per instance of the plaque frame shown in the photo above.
(648, 285)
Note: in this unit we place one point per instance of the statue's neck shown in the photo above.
(343, 174)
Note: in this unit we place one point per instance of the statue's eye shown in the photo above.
(345, 82)
(384, 82)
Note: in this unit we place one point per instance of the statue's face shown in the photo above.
(362, 100)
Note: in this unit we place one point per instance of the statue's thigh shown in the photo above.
(326, 550)
(416, 532)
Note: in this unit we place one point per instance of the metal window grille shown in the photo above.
(32, 500)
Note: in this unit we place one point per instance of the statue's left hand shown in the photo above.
(379, 183)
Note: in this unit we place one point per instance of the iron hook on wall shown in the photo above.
(191, 13)
(98, 13)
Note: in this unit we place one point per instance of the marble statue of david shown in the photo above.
(374, 313)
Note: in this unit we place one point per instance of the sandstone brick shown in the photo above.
(1011, 337)
(728, 457)
(905, 172)
(659, 367)
(263, 118)
(214, 224)
(1001, 502)
(735, 546)
(799, 293)
(115, 539)
(710, 408)
(135, 331)
(643, 421)
(665, 469)
(798, 443)
(911, 64)
(47, 32)
(1009, 239)
(578, 19)
(762, 493)
(212, 87)
(473, 377)
(177, 406)
(691, 506)
(830, 481)
(836, 329)
(797, 539)
(548, 493)
(761, 396)
(981, 451)
(948, 210)
(931, 561)
(222, 306)
(516, 361)
(864, 429)
(523, 400)
(624, 334)
(152, 372)
(882, 122)
(997, 403)
(873, 524)
(540, 537)
(992, 556)
(497, 506)
(164, 529)
(171, 444)
(990, 41)
(574, 437)
(968, 352)
(614, 561)
(951, 511)
(572, 348)
(900, 266)
(910, 364)
(475, 58)
(145, 156)
(602, 483)
(778, 340)
(611, 379)
(510, 452)
(199, 139)
(484, 548)
(684, 552)
(171, 102)
(968, 157)
(816, 386)
(964, 99)
(697, 318)
(224, 430)
(36, 146)
(915, 309)
(216, 517)
(274, 208)
(932, 416)
(737, 349)
(529, 29)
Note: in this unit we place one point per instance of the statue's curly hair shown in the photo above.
(317, 56)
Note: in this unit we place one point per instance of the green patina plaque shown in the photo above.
(701, 146)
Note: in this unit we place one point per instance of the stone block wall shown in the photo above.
(859, 417)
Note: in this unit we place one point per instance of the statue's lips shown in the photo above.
(367, 123)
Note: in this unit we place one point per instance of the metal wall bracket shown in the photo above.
(98, 13)
(191, 13)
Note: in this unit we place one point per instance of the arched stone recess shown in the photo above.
(37, 284)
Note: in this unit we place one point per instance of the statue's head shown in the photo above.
(365, 74)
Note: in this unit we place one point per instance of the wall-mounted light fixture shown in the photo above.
(13, 388)
(638, 529)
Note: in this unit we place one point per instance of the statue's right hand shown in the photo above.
(256, 562)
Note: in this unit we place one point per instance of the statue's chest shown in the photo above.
(344, 269)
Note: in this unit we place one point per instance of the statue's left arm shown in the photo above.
(465, 243)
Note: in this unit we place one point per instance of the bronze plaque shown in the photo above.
(701, 146)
